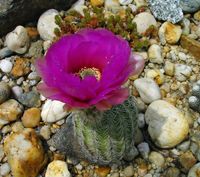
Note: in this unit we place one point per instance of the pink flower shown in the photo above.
(88, 69)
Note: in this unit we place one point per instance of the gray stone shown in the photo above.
(35, 50)
(4, 92)
(167, 10)
(5, 52)
(190, 5)
(30, 99)
(14, 12)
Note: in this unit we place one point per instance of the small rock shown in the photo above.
(112, 5)
(169, 68)
(197, 16)
(57, 168)
(125, 2)
(172, 172)
(155, 54)
(168, 10)
(30, 99)
(5, 52)
(10, 110)
(182, 56)
(144, 20)
(4, 92)
(156, 158)
(31, 118)
(186, 26)
(21, 67)
(169, 33)
(184, 146)
(141, 120)
(32, 32)
(18, 40)
(182, 72)
(102, 171)
(45, 132)
(148, 89)
(187, 160)
(167, 125)
(97, 3)
(53, 111)
(190, 5)
(46, 24)
(33, 76)
(25, 153)
(79, 6)
(194, 171)
(17, 127)
(193, 46)
(140, 3)
(128, 171)
(35, 50)
(4, 169)
(17, 91)
(6, 66)
(144, 149)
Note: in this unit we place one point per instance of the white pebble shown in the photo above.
(6, 66)
(46, 24)
(57, 168)
(167, 125)
(144, 20)
(18, 40)
(148, 89)
(182, 72)
(53, 111)
(4, 169)
(125, 2)
(79, 6)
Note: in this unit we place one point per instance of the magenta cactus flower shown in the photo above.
(88, 69)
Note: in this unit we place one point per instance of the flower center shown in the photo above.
(89, 72)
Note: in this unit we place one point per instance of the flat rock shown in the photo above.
(15, 12)
(191, 45)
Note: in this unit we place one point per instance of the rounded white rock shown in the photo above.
(46, 24)
(194, 171)
(144, 20)
(53, 111)
(182, 72)
(148, 89)
(6, 66)
(57, 168)
(18, 40)
(167, 125)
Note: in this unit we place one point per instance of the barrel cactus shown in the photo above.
(103, 138)
(194, 99)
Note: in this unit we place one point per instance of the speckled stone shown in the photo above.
(166, 10)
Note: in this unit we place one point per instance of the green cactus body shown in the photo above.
(101, 137)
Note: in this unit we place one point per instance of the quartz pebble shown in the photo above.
(155, 55)
(53, 111)
(167, 125)
(6, 66)
(128, 171)
(125, 2)
(46, 24)
(79, 6)
(148, 89)
(45, 132)
(182, 72)
(18, 40)
(25, 153)
(144, 20)
(4, 92)
(169, 33)
(57, 168)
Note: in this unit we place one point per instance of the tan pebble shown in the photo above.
(17, 127)
(31, 117)
(97, 2)
(21, 67)
(32, 32)
(102, 171)
(187, 160)
(197, 16)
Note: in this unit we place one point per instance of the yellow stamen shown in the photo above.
(89, 72)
